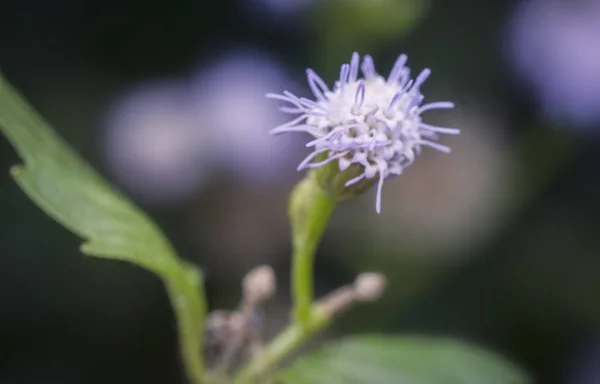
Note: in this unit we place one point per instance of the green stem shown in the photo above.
(186, 295)
(286, 343)
(310, 209)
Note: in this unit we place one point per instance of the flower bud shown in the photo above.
(259, 284)
(369, 286)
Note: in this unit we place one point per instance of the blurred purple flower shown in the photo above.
(582, 366)
(553, 46)
(230, 104)
(266, 9)
(153, 143)
(163, 138)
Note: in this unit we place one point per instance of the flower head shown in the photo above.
(368, 128)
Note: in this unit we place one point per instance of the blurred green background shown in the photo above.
(496, 243)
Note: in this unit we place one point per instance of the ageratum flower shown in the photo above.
(365, 129)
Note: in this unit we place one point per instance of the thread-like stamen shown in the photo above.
(308, 158)
(331, 135)
(291, 96)
(404, 78)
(289, 124)
(354, 180)
(397, 69)
(445, 130)
(359, 96)
(368, 67)
(290, 110)
(295, 111)
(354, 62)
(415, 101)
(379, 192)
(285, 98)
(436, 105)
(394, 101)
(298, 128)
(439, 147)
(298, 101)
(316, 84)
(302, 105)
(327, 160)
(344, 72)
(421, 78)
(311, 104)
(297, 120)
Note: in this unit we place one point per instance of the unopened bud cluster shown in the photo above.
(259, 284)
(234, 336)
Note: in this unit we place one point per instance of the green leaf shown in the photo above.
(402, 359)
(65, 187)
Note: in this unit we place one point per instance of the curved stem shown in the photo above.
(186, 295)
(310, 209)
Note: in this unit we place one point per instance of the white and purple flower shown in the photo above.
(370, 121)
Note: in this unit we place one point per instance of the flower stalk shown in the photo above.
(310, 209)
